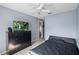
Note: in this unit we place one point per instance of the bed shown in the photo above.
(56, 45)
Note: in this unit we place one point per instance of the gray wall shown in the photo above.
(63, 24)
(6, 18)
(77, 25)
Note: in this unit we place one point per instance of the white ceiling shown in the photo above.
(31, 8)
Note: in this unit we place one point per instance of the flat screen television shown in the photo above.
(20, 26)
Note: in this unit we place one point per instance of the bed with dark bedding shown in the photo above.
(57, 46)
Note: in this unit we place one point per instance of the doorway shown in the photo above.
(41, 29)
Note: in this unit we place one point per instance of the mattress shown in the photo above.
(55, 46)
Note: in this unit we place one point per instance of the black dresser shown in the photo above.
(19, 37)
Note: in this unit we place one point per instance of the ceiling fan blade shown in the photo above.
(41, 6)
(45, 10)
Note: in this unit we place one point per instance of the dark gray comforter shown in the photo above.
(56, 47)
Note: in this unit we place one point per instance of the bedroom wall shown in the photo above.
(63, 24)
(77, 25)
(6, 18)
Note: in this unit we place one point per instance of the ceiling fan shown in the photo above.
(41, 9)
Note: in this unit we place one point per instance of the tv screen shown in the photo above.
(20, 25)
